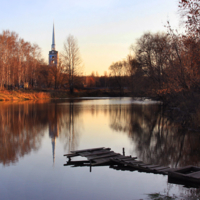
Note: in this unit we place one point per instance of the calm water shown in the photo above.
(35, 135)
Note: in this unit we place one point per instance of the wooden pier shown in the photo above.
(105, 157)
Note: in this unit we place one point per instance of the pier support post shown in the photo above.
(90, 166)
(123, 151)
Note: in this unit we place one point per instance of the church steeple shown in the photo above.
(53, 54)
(53, 46)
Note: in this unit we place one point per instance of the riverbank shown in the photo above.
(183, 108)
(21, 95)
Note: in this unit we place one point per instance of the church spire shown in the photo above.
(53, 46)
(53, 54)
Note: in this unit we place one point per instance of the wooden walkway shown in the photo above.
(189, 175)
(104, 156)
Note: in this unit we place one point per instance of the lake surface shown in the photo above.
(35, 135)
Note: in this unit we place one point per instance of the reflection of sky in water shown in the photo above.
(35, 176)
(112, 101)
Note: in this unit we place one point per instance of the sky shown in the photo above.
(104, 29)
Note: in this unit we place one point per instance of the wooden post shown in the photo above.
(90, 166)
(123, 151)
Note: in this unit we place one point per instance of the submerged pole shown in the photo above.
(123, 151)
(90, 166)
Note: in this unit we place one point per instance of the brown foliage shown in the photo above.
(19, 61)
(191, 10)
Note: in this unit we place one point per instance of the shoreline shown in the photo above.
(19, 95)
(23, 95)
(183, 110)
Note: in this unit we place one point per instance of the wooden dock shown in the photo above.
(105, 157)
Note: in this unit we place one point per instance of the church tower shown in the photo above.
(53, 54)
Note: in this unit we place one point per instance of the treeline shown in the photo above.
(21, 66)
(161, 64)
(164, 63)
(19, 60)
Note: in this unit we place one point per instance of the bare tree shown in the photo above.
(190, 9)
(71, 60)
(35, 56)
(119, 74)
(152, 51)
(55, 76)
(18, 60)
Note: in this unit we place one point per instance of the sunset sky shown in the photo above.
(105, 29)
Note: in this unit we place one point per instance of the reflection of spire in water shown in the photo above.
(53, 134)
(53, 142)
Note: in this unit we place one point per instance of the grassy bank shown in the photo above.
(22, 95)
(17, 95)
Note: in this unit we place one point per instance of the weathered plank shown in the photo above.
(134, 162)
(120, 157)
(137, 166)
(93, 149)
(96, 152)
(194, 174)
(115, 160)
(183, 177)
(151, 166)
(166, 170)
(144, 165)
(104, 156)
(127, 160)
(101, 161)
(123, 158)
(123, 168)
(187, 183)
(183, 169)
(79, 162)
(71, 155)
(188, 173)
(159, 168)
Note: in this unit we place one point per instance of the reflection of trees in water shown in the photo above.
(189, 193)
(63, 124)
(157, 139)
(71, 125)
(120, 117)
(22, 127)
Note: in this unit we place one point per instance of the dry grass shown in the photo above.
(22, 95)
